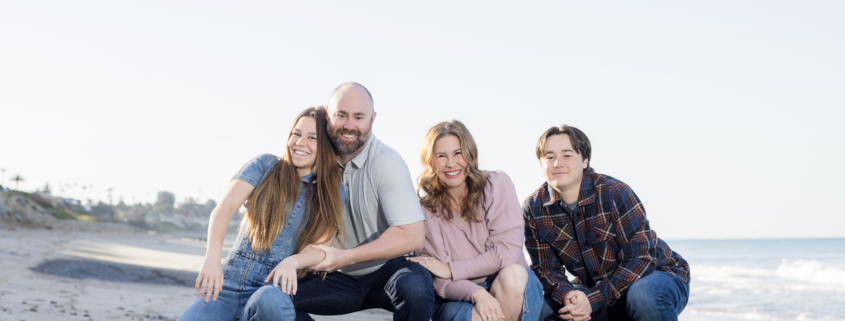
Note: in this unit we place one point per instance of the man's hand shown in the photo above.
(335, 259)
(435, 266)
(576, 307)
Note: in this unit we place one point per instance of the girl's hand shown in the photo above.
(210, 279)
(487, 306)
(286, 271)
(435, 266)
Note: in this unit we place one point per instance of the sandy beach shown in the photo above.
(105, 271)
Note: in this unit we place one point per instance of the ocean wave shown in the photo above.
(795, 290)
(754, 314)
(808, 271)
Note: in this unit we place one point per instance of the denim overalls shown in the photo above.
(244, 270)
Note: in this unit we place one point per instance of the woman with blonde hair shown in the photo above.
(474, 234)
(294, 202)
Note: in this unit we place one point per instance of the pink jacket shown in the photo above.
(477, 250)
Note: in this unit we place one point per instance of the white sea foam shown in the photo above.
(795, 290)
(732, 314)
(810, 271)
(798, 270)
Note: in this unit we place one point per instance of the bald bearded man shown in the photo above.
(383, 221)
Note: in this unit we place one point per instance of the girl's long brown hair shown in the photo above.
(273, 200)
(436, 200)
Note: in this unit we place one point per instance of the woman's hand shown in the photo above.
(487, 306)
(210, 279)
(435, 266)
(286, 271)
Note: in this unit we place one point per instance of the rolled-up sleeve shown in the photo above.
(254, 171)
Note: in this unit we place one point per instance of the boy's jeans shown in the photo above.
(658, 296)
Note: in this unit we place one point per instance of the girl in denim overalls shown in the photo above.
(293, 202)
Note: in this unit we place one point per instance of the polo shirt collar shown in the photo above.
(359, 160)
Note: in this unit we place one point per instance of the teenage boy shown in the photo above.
(595, 227)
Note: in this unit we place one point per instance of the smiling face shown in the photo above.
(351, 116)
(562, 165)
(449, 162)
(302, 145)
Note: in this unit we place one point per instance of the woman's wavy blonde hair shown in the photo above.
(435, 199)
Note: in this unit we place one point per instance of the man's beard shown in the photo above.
(344, 147)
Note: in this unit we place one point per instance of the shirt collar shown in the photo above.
(309, 177)
(586, 195)
(550, 196)
(359, 160)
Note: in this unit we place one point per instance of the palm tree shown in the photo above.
(17, 180)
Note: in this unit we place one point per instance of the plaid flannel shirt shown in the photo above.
(618, 245)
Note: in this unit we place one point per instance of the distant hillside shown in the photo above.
(41, 210)
(20, 209)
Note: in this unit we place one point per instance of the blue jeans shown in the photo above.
(402, 287)
(532, 303)
(658, 296)
(244, 295)
(251, 302)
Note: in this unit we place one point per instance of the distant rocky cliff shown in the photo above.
(26, 210)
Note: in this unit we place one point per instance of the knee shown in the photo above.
(642, 299)
(414, 282)
(512, 279)
(268, 303)
(269, 295)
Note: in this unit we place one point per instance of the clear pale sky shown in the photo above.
(725, 117)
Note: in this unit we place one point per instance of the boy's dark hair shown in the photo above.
(577, 138)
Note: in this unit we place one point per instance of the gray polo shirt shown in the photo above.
(379, 194)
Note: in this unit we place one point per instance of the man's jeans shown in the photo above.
(402, 287)
(659, 296)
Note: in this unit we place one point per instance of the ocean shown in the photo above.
(776, 279)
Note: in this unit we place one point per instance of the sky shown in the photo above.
(723, 116)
